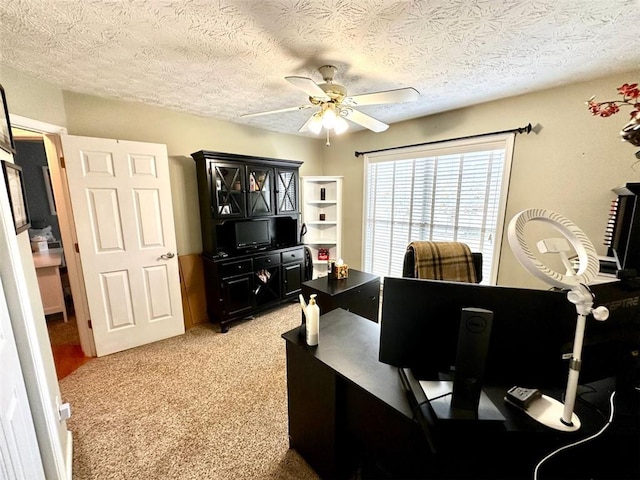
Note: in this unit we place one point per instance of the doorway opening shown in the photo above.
(50, 254)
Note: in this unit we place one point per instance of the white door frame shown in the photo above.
(39, 378)
(53, 149)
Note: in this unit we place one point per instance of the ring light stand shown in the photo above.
(546, 410)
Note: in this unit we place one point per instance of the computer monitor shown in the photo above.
(612, 347)
(421, 321)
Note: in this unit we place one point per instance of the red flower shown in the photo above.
(630, 91)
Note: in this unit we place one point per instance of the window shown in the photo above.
(453, 191)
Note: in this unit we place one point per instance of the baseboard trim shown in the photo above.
(69, 459)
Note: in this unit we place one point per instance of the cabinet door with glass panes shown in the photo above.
(322, 215)
(227, 189)
(259, 191)
(286, 191)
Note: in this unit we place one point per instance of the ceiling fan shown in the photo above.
(334, 105)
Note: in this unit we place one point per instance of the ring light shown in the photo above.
(589, 266)
(547, 410)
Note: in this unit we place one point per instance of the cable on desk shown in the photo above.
(579, 442)
(429, 400)
(581, 399)
(591, 405)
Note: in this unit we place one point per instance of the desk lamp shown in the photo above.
(546, 410)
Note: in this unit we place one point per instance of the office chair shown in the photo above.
(452, 261)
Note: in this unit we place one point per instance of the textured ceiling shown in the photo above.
(225, 58)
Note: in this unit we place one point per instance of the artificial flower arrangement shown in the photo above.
(631, 97)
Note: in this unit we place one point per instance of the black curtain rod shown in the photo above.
(526, 129)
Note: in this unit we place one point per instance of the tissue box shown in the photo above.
(39, 246)
(339, 271)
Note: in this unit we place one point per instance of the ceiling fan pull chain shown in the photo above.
(328, 142)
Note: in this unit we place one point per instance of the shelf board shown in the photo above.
(322, 222)
(322, 202)
(321, 242)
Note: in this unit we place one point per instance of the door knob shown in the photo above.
(167, 256)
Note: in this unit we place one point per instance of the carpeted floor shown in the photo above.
(203, 405)
(61, 332)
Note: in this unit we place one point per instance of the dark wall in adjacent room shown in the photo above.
(30, 155)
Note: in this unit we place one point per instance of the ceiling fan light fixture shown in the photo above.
(340, 126)
(335, 106)
(329, 118)
(315, 125)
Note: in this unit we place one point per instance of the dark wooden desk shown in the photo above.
(348, 411)
(343, 403)
(358, 293)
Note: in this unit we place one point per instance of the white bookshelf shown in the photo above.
(325, 233)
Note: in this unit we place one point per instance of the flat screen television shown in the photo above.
(421, 321)
(252, 234)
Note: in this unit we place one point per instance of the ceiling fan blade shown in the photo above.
(389, 96)
(309, 87)
(305, 126)
(365, 120)
(289, 109)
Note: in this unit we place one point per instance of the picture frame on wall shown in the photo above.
(46, 174)
(17, 196)
(6, 137)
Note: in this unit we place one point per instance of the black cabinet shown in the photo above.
(287, 194)
(240, 286)
(268, 280)
(249, 215)
(233, 188)
(292, 272)
(236, 284)
(260, 190)
(236, 295)
(226, 190)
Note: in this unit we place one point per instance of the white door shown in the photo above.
(20, 457)
(121, 201)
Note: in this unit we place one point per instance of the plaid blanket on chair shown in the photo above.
(443, 261)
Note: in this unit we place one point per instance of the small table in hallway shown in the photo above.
(47, 264)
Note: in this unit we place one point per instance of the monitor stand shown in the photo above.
(440, 393)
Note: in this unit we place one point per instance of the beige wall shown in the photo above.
(569, 166)
(183, 134)
(32, 98)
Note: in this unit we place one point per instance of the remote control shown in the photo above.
(522, 397)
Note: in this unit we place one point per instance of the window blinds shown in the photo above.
(449, 192)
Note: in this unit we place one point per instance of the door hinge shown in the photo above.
(89, 322)
(62, 164)
(77, 247)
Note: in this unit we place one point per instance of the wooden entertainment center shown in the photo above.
(249, 212)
